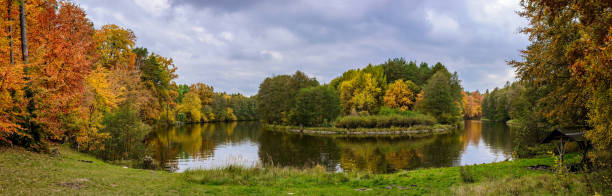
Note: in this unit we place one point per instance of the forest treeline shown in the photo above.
(506, 103)
(65, 81)
(198, 103)
(413, 94)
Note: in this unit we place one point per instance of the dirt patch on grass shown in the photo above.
(75, 184)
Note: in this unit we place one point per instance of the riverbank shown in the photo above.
(414, 131)
(72, 173)
(514, 123)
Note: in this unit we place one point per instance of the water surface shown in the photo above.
(216, 145)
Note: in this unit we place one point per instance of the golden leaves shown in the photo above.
(399, 96)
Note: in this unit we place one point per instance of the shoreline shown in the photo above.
(364, 132)
(65, 174)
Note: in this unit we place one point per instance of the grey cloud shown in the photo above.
(233, 45)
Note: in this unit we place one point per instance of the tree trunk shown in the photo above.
(24, 38)
(10, 32)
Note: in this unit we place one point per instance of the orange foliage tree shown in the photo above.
(62, 56)
(400, 95)
(12, 101)
(74, 76)
(472, 105)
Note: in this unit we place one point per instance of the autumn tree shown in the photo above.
(229, 115)
(99, 100)
(361, 93)
(401, 95)
(204, 92)
(567, 65)
(157, 73)
(59, 65)
(114, 46)
(12, 83)
(191, 106)
(472, 105)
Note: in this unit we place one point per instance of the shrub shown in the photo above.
(127, 133)
(466, 174)
(384, 121)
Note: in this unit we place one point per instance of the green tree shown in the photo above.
(439, 67)
(440, 100)
(316, 106)
(412, 72)
(182, 90)
(127, 133)
(395, 69)
(424, 74)
(277, 95)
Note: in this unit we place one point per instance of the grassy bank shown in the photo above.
(515, 123)
(29, 173)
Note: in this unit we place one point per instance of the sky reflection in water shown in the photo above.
(245, 143)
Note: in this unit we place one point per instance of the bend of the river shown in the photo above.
(214, 145)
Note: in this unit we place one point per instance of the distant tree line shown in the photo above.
(506, 103)
(199, 103)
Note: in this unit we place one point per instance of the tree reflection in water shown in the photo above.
(205, 145)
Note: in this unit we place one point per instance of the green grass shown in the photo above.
(29, 173)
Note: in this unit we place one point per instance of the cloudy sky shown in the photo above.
(234, 44)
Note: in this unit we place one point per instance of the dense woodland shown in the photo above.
(564, 76)
(414, 95)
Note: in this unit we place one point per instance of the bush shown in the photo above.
(387, 111)
(466, 174)
(127, 133)
(384, 121)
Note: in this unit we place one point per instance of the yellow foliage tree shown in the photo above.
(229, 115)
(191, 106)
(361, 93)
(399, 96)
(204, 91)
(114, 47)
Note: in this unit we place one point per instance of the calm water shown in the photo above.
(247, 144)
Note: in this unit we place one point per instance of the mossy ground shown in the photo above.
(28, 173)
